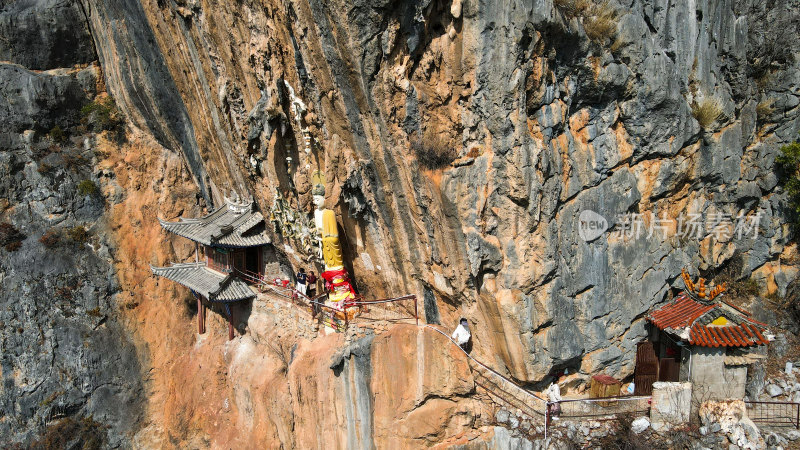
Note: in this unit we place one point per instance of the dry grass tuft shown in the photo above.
(55, 237)
(10, 237)
(600, 23)
(599, 18)
(85, 433)
(618, 45)
(707, 111)
(765, 109)
(434, 151)
(573, 8)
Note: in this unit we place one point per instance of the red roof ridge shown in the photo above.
(738, 308)
(704, 310)
(685, 312)
(747, 313)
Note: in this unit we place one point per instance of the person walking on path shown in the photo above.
(302, 278)
(462, 335)
(312, 284)
(553, 393)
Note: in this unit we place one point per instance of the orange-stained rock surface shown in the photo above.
(461, 144)
(466, 147)
(275, 385)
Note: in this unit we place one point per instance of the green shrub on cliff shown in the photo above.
(787, 165)
(78, 234)
(101, 114)
(57, 134)
(87, 187)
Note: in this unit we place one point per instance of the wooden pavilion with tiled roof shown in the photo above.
(232, 236)
(700, 337)
(232, 240)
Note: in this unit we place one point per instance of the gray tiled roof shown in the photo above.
(213, 285)
(227, 226)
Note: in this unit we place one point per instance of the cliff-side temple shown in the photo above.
(233, 242)
(701, 338)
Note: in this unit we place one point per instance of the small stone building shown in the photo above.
(704, 340)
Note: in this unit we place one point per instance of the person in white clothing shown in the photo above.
(301, 278)
(553, 393)
(462, 334)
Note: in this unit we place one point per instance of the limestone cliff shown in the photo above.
(537, 116)
(460, 142)
(64, 353)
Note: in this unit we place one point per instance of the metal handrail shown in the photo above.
(605, 399)
(774, 412)
(771, 402)
(357, 304)
(527, 392)
(384, 300)
(250, 276)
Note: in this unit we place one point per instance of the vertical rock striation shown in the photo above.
(462, 142)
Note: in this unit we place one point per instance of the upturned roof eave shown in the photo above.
(228, 288)
(212, 237)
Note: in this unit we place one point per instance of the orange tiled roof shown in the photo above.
(692, 319)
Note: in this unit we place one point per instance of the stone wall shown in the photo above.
(712, 379)
(671, 405)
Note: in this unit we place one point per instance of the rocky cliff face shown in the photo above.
(461, 143)
(64, 354)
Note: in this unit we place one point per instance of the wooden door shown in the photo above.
(668, 370)
(646, 372)
(239, 260)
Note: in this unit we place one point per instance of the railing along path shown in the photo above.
(361, 311)
(502, 388)
(774, 413)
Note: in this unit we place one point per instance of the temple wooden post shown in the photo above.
(196, 252)
(201, 328)
(230, 321)
(205, 310)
